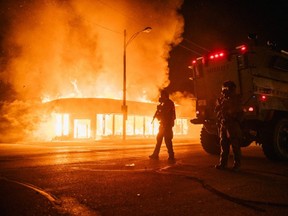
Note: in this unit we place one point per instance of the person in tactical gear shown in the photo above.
(229, 112)
(166, 115)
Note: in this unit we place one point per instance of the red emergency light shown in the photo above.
(198, 60)
(263, 98)
(216, 55)
(242, 48)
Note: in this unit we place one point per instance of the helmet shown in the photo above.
(228, 87)
(164, 95)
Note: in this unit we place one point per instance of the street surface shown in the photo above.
(116, 178)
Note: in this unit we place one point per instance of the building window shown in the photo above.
(82, 128)
(138, 125)
(108, 125)
(62, 125)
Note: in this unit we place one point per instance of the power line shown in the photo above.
(106, 28)
(193, 51)
(197, 45)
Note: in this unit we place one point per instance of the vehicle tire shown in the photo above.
(275, 144)
(210, 142)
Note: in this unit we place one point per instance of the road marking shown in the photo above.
(128, 169)
(68, 205)
(50, 197)
(244, 202)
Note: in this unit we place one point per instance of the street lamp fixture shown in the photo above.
(124, 105)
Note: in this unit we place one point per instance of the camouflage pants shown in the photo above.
(230, 134)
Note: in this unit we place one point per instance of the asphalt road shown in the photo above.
(115, 178)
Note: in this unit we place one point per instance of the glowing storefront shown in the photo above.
(95, 118)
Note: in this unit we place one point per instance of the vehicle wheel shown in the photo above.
(210, 142)
(275, 145)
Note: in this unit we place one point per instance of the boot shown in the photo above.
(236, 166)
(220, 166)
(154, 157)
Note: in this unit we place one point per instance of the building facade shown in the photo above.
(97, 118)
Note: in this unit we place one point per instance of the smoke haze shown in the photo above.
(70, 48)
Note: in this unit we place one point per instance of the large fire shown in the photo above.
(112, 126)
(61, 49)
(74, 49)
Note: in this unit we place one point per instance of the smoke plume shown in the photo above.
(68, 48)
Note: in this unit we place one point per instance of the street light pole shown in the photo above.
(124, 105)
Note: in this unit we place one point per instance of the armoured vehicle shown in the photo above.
(261, 76)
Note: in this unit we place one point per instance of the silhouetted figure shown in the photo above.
(229, 113)
(166, 115)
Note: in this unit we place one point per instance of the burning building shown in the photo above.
(97, 118)
(55, 49)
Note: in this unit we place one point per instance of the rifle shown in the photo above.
(156, 113)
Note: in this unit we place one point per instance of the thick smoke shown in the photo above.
(69, 48)
(75, 48)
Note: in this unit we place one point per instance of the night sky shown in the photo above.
(212, 24)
